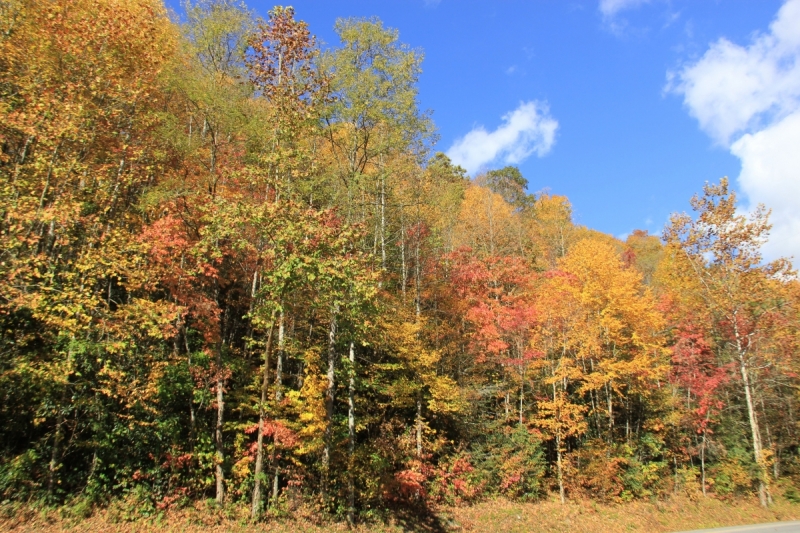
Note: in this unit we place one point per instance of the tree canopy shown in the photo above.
(234, 266)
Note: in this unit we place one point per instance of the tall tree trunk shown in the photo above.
(351, 431)
(610, 414)
(255, 506)
(754, 430)
(419, 427)
(279, 360)
(763, 490)
(276, 480)
(417, 275)
(329, 398)
(772, 445)
(218, 440)
(560, 468)
(55, 451)
(403, 267)
(521, 392)
(383, 222)
(59, 432)
(192, 416)
(703, 461)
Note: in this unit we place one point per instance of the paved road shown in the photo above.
(775, 527)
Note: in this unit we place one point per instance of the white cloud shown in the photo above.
(747, 98)
(609, 8)
(771, 176)
(527, 130)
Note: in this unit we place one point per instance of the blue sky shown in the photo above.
(624, 106)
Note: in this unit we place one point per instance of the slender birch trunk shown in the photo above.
(275, 479)
(259, 468)
(610, 414)
(763, 490)
(218, 442)
(754, 430)
(419, 428)
(417, 276)
(403, 266)
(329, 398)
(383, 222)
(703, 461)
(279, 359)
(351, 431)
(560, 468)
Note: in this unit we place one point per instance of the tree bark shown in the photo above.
(53, 466)
(419, 428)
(218, 438)
(383, 222)
(329, 398)
(754, 430)
(703, 462)
(351, 430)
(59, 432)
(521, 395)
(218, 443)
(610, 415)
(403, 267)
(558, 452)
(279, 360)
(417, 275)
(560, 470)
(259, 468)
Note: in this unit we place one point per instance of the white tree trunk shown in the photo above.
(329, 398)
(259, 467)
(351, 430)
(279, 360)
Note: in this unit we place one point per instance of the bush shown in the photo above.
(511, 462)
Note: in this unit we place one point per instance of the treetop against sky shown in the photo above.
(624, 106)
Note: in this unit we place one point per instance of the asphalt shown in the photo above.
(775, 527)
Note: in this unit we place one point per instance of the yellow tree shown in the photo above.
(552, 229)
(619, 342)
(487, 223)
(559, 415)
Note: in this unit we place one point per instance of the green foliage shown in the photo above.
(511, 462)
(509, 183)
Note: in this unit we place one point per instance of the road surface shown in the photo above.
(775, 527)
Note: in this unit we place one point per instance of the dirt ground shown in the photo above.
(677, 514)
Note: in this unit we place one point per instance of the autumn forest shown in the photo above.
(233, 266)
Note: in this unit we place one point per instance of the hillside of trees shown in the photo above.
(234, 266)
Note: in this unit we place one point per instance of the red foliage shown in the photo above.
(694, 368)
(281, 435)
(498, 299)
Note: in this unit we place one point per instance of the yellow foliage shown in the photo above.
(488, 224)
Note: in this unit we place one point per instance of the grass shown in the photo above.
(676, 514)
